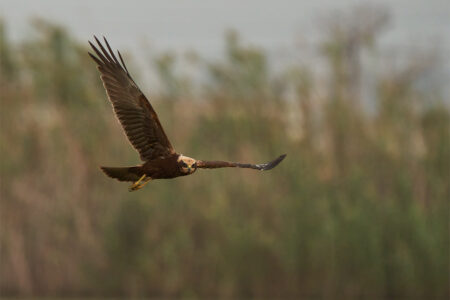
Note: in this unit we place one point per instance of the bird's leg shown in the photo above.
(135, 187)
(147, 180)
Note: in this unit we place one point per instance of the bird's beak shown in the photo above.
(191, 168)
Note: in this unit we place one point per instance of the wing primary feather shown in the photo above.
(111, 52)
(272, 164)
(123, 63)
(95, 59)
(99, 54)
(96, 51)
(105, 53)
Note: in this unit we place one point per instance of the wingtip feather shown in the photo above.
(274, 163)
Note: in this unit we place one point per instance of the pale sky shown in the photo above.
(199, 25)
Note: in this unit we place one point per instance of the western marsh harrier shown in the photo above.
(144, 131)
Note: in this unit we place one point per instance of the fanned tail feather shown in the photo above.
(123, 173)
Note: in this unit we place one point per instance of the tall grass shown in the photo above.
(359, 208)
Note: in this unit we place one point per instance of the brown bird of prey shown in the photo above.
(144, 131)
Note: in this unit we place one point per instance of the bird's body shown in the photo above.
(159, 168)
(144, 131)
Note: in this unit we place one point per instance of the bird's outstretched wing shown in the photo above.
(225, 164)
(134, 111)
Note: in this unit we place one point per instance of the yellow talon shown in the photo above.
(146, 181)
(134, 185)
(137, 185)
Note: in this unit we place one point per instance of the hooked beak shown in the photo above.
(192, 167)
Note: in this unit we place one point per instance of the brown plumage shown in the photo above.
(143, 129)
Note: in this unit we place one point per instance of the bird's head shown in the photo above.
(186, 164)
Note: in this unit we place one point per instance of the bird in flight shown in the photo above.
(144, 131)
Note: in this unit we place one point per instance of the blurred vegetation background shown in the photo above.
(360, 207)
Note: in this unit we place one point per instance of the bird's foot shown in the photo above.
(138, 185)
(133, 188)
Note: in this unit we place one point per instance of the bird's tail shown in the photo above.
(124, 173)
